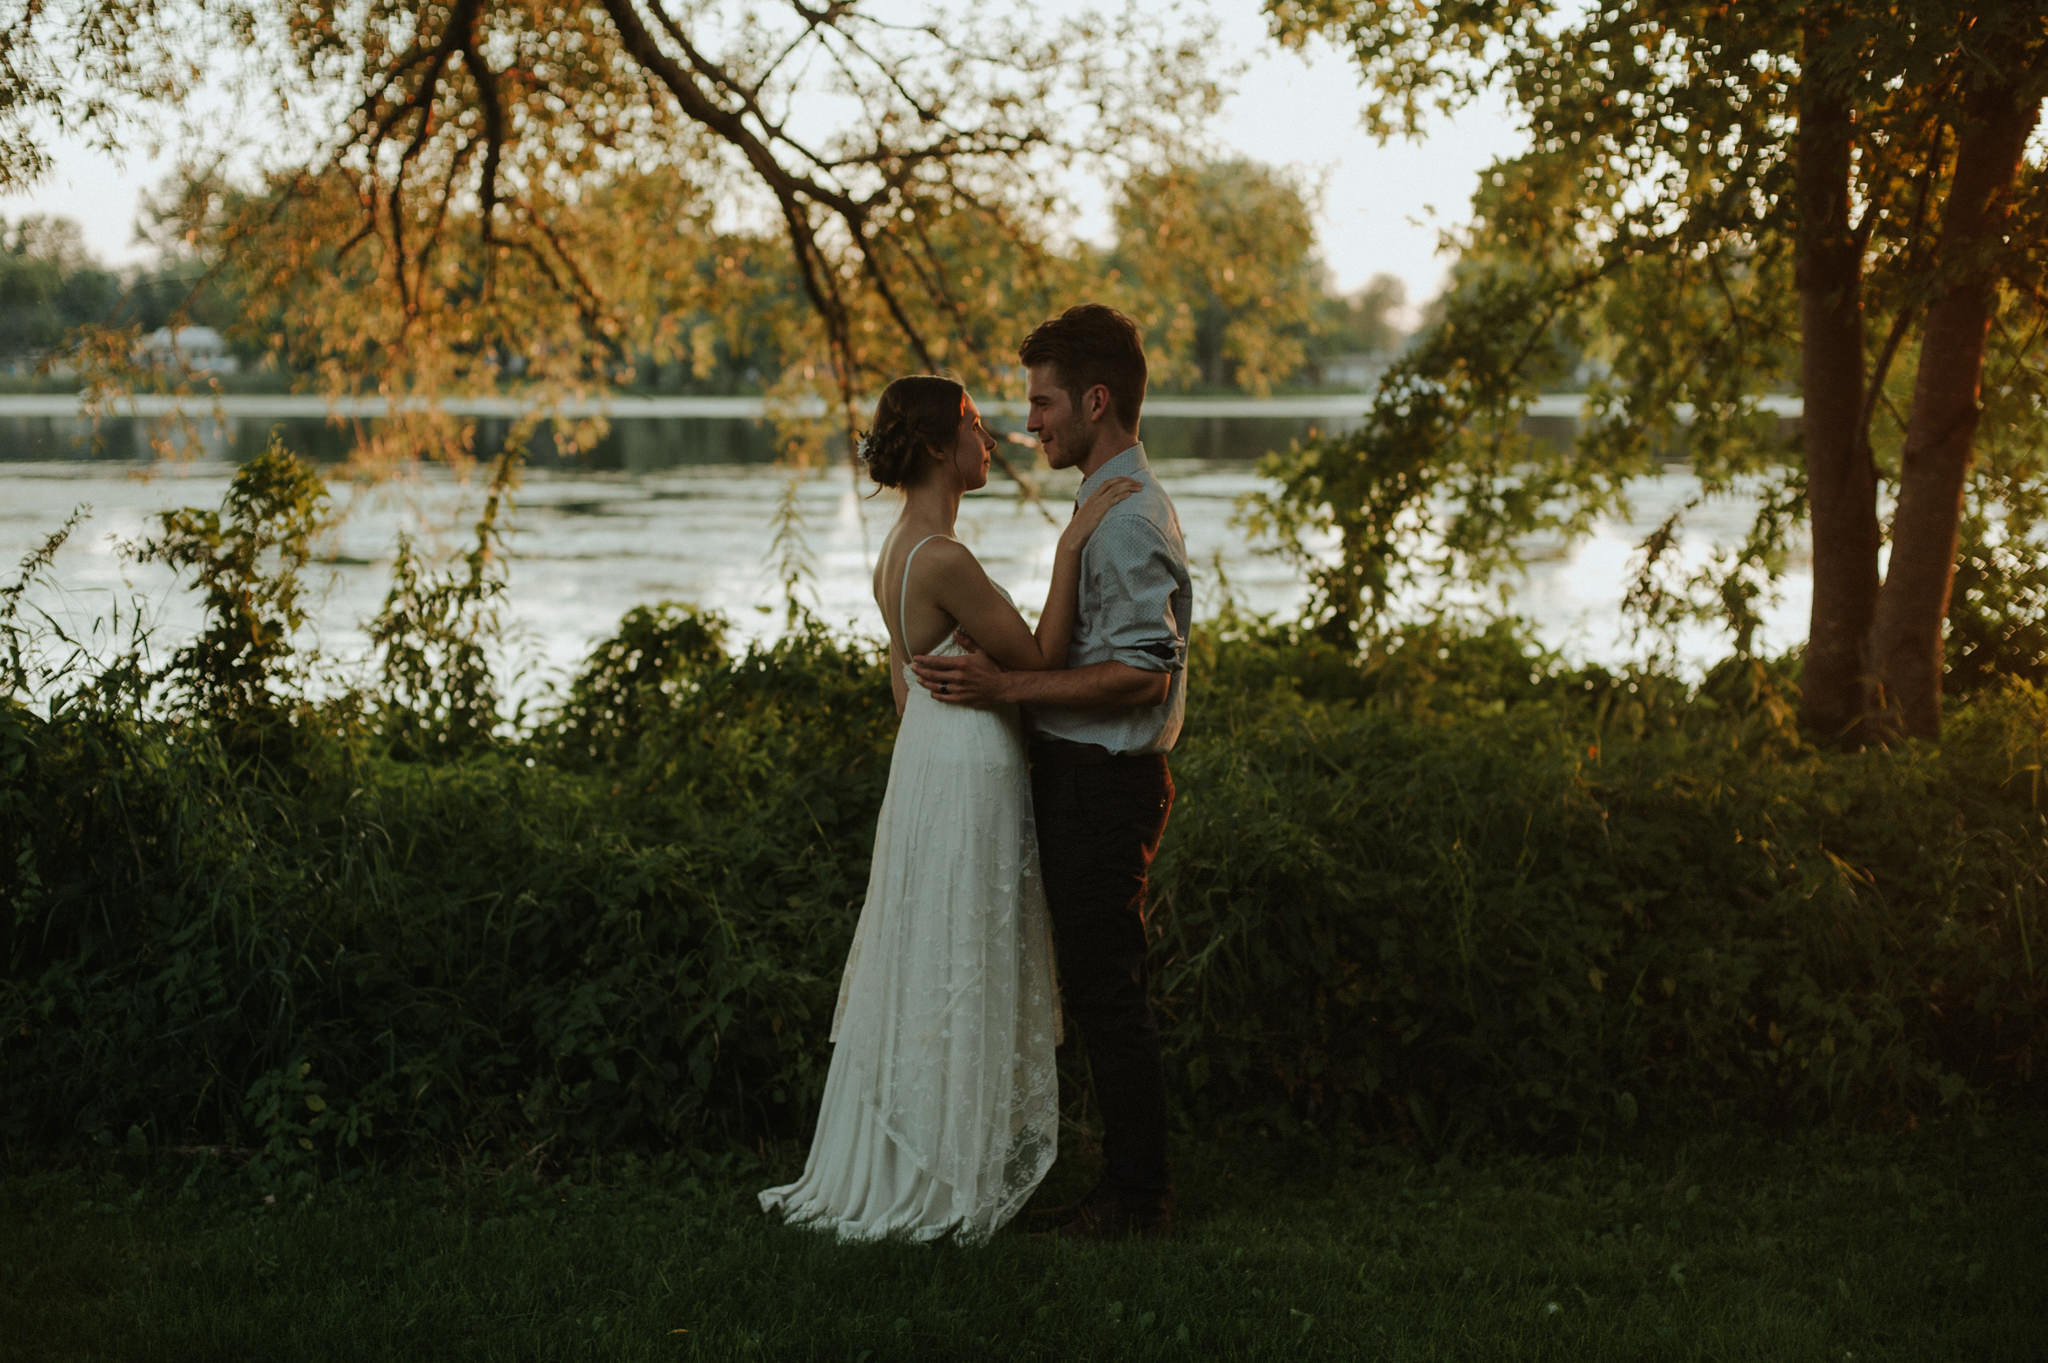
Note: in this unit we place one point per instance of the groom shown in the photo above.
(1100, 732)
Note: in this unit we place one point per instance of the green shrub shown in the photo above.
(491, 953)
(1449, 887)
(1566, 916)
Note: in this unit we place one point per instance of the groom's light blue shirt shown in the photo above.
(1135, 603)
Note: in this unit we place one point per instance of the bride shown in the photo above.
(941, 1105)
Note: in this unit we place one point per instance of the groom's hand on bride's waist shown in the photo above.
(963, 678)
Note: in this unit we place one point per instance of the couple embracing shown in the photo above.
(1026, 797)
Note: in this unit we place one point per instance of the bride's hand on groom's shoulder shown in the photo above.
(1089, 514)
(961, 678)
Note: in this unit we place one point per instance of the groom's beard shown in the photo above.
(1073, 442)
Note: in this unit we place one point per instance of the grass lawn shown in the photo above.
(1920, 1246)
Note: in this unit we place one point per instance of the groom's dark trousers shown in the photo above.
(1100, 817)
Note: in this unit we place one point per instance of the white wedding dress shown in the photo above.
(941, 1110)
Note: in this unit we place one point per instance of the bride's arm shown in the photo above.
(955, 582)
(960, 588)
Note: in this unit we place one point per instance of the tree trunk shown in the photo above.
(1841, 482)
(1941, 427)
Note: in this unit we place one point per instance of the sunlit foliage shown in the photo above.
(1716, 201)
(1220, 260)
(456, 193)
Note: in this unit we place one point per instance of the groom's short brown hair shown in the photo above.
(1093, 343)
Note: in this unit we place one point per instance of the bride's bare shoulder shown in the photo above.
(937, 558)
(946, 550)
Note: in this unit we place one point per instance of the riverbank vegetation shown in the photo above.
(1444, 890)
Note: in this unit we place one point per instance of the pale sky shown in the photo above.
(1381, 206)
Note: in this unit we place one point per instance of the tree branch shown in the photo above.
(1916, 256)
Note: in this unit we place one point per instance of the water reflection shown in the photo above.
(637, 444)
(682, 508)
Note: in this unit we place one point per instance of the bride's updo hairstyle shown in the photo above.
(918, 413)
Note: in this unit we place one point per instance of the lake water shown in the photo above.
(679, 504)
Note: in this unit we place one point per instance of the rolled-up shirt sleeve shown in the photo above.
(1136, 581)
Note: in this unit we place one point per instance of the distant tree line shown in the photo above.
(51, 287)
(1218, 260)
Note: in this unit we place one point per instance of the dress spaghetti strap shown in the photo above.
(903, 592)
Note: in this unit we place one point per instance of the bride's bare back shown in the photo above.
(928, 584)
